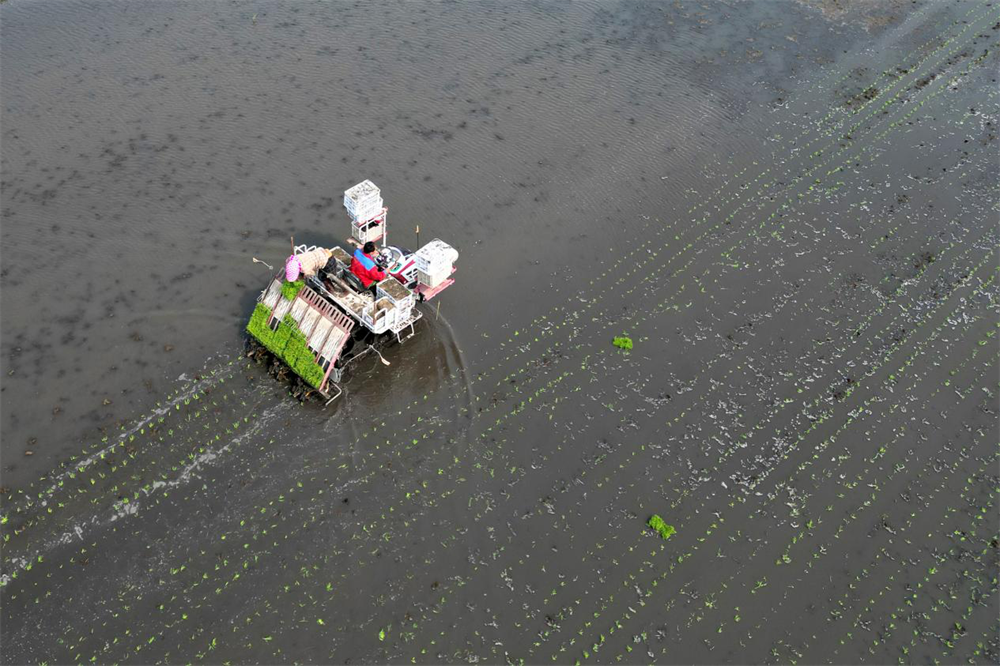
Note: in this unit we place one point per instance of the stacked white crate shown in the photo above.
(388, 318)
(371, 230)
(435, 262)
(363, 201)
(401, 297)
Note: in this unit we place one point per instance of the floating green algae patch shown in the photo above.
(664, 530)
(291, 289)
(286, 342)
(622, 342)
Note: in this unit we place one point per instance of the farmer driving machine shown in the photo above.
(316, 317)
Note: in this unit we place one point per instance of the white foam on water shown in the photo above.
(123, 509)
(58, 480)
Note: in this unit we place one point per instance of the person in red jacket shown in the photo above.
(364, 266)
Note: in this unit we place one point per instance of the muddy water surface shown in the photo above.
(789, 207)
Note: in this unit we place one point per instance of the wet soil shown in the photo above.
(790, 208)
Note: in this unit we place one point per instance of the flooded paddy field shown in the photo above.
(789, 207)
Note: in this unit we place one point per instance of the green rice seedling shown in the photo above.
(258, 322)
(665, 531)
(287, 342)
(623, 342)
(291, 289)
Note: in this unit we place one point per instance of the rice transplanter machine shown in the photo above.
(316, 316)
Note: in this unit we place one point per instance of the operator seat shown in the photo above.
(353, 280)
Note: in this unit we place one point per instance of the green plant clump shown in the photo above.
(664, 530)
(258, 324)
(287, 343)
(291, 289)
(623, 342)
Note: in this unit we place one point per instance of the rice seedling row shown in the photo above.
(247, 562)
(762, 587)
(933, 563)
(397, 449)
(933, 463)
(104, 489)
(935, 626)
(622, 466)
(884, 74)
(746, 186)
(745, 439)
(856, 591)
(147, 488)
(58, 481)
(808, 527)
(67, 568)
(888, 382)
(987, 647)
(638, 267)
(878, 462)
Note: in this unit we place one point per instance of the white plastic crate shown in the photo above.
(402, 297)
(380, 316)
(436, 257)
(363, 201)
(433, 279)
(365, 211)
(364, 231)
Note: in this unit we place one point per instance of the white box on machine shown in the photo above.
(435, 258)
(381, 315)
(366, 211)
(363, 201)
(372, 230)
(398, 295)
(435, 278)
